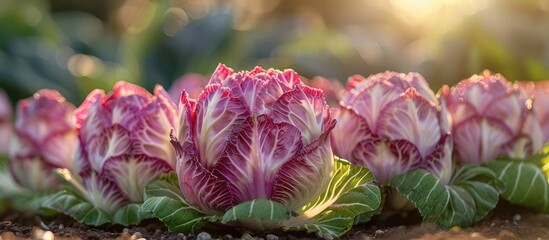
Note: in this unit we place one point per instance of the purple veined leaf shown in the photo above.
(357, 131)
(304, 108)
(387, 158)
(104, 193)
(220, 74)
(413, 118)
(112, 142)
(369, 101)
(440, 161)
(256, 153)
(217, 112)
(480, 140)
(297, 178)
(199, 186)
(133, 173)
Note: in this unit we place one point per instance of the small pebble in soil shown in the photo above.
(246, 236)
(136, 235)
(40, 234)
(227, 236)
(327, 236)
(476, 235)
(271, 237)
(126, 230)
(379, 232)
(203, 236)
(181, 236)
(455, 229)
(493, 224)
(61, 227)
(517, 217)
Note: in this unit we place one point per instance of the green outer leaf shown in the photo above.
(473, 193)
(258, 214)
(482, 185)
(526, 183)
(335, 221)
(425, 191)
(75, 207)
(350, 193)
(164, 200)
(130, 214)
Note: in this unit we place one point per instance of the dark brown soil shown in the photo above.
(505, 222)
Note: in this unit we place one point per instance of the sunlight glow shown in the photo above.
(419, 11)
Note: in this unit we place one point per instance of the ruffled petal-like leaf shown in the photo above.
(413, 118)
(304, 108)
(371, 99)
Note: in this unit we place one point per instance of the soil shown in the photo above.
(505, 222)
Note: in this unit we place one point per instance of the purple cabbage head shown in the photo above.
(490, 119)
(124, 143)
(44, 140)
(392, 123)
(259, 134)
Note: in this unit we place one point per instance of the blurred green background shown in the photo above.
(76, 46)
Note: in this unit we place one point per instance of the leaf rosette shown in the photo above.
(253, 151)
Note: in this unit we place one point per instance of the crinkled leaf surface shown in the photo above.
(130, 214)
(258, 214)
(473, 192)
(350, 193)
(164, 200)
(75, 207)
(526, 181)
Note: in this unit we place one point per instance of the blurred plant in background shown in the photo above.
(75, 47)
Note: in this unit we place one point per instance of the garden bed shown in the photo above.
(505, 222)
